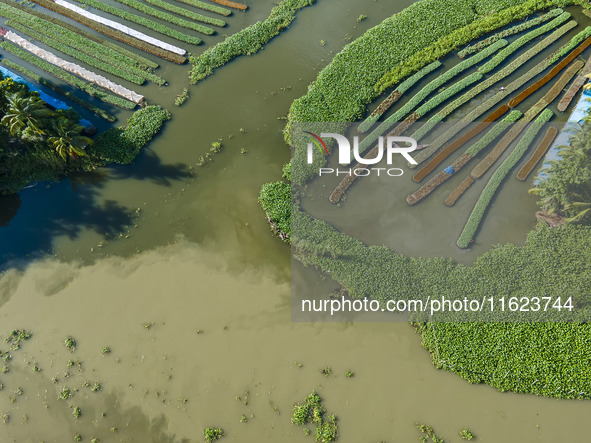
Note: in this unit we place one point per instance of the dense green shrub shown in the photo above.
(167, 17)
(496, 179)
(212, 434)
(549, 359)
(275, 199)
(247, 41)
(478, 46)
(565, 187)
(312, 411)
(43, 81)
(186, 13)
(67, 77)
(150, 24)
(121, 145)
(523, 40)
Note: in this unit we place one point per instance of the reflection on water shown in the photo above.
(188, 335)
(9, 205)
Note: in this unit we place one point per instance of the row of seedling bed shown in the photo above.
(463, 99)
(498, 48)
(99, 53)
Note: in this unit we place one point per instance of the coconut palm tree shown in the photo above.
(66, 138)
(25, 116)
(567, 190)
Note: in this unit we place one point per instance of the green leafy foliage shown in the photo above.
(182, 97)
(187, 13)
(212, 434)
(165, 16)
(478, 46)
(466, 434)
(110, 32)
(275, 199)
(574, 42)
(43, 81)
(312, 411)
(247, 41)
(449, 92)
(104, 46)
(85, 58)
(67, 77)
(523, 40)
(207, 7)
(401, 88)
(122, 145)
(150, 24)
(565, 188)
(496, 179)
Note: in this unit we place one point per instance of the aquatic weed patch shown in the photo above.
(247, 41)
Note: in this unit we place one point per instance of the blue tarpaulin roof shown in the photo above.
(51, 101)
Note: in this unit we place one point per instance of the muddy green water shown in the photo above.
(197, 263)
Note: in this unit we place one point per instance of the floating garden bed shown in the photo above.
(508, 32)
(84, 47)
(113, 33)
(165, 16)
(150, 24)
(48, 84)
(550, 259)
(395, 95)
(27, 16)
(190, 14)
(500, 95)
(67, 77)
(85, 58)
(539, 152)
(475, 218)
(122, 28)
(208, 7)
(431, 87)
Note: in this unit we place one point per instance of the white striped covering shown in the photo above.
(74, 68)
(125, 29)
